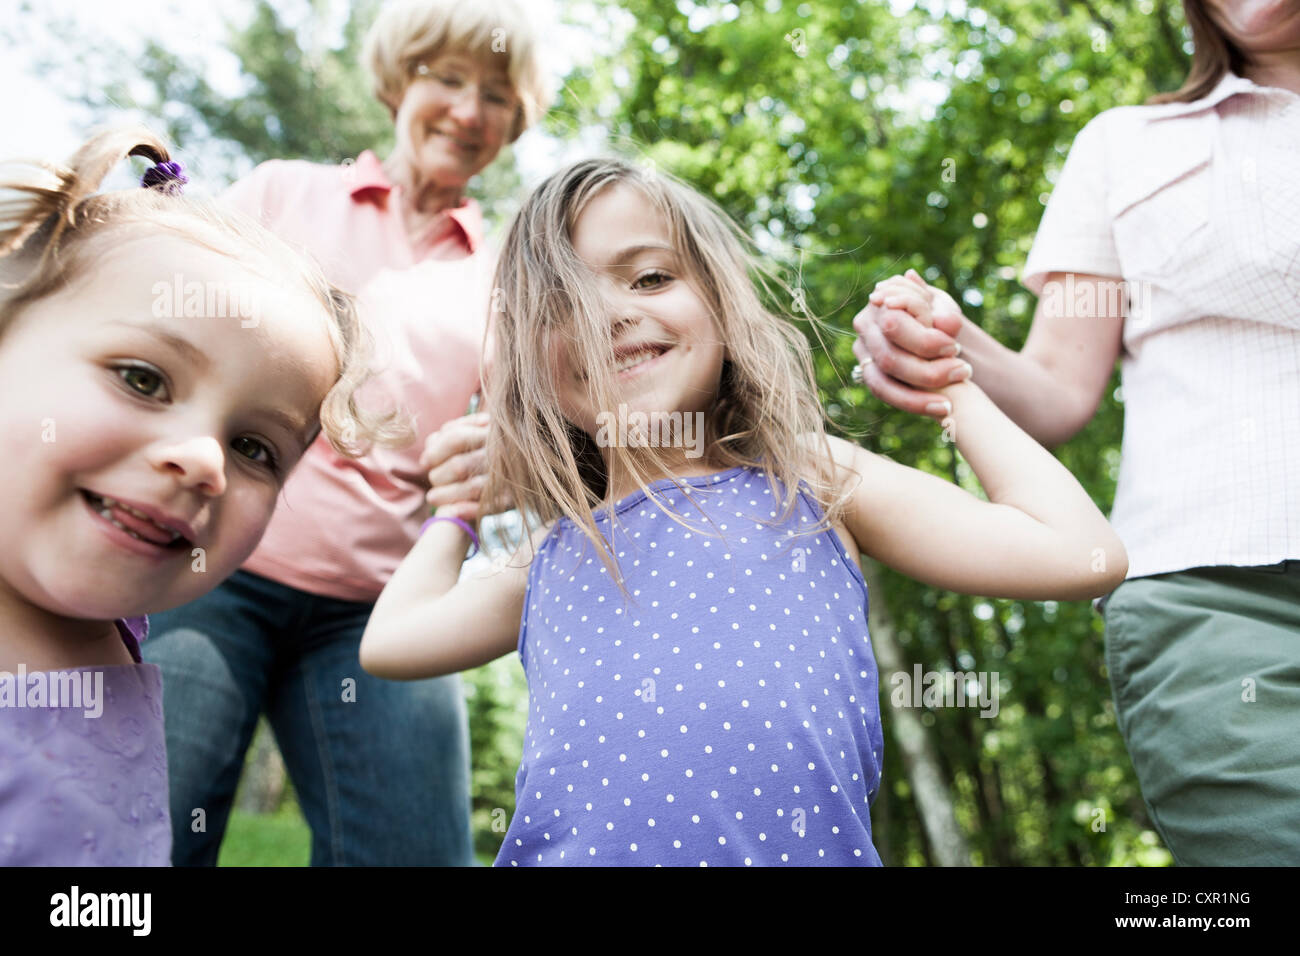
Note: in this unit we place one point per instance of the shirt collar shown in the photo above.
(1229, 85)
(367, 182)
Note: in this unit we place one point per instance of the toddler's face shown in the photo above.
(668, 351)
(140, 441)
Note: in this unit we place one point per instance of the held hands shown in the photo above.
(456, 458)
(907, 345)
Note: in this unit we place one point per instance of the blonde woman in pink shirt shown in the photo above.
(1172, 242)
(381, 769)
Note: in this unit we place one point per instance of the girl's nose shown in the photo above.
(197, 462)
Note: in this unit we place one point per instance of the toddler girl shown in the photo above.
(163, 364)
(690, 612)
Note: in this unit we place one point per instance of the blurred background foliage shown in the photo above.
(853, 139)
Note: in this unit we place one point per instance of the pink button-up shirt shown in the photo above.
(342, 526)
(1196, 206)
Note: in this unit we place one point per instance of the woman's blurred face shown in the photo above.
(455, 116)
(1258, 26)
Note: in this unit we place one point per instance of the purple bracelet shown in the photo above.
(464, 525)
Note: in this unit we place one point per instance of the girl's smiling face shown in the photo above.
(136, 436)
(668, 353)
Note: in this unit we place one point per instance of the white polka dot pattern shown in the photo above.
(727, 714)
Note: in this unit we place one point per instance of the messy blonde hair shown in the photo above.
(409, 32)
(52, 224)
(766, 414)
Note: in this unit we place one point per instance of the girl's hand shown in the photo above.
(456, 459)
(907, 344)
(945, 311)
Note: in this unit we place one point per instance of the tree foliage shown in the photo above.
(853, 139)
(856, 139)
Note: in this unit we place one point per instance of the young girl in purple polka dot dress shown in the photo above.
(689, 610)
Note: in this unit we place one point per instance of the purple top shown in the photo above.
(727, 716)
(83, 764)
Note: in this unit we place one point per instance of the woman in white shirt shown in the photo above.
(1172, 242)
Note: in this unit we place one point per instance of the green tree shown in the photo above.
(855, 141)
(853, 138)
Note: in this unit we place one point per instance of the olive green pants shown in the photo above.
(1205, 669)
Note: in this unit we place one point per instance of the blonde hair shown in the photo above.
(408, 32)
(52, 221)
(766, 415)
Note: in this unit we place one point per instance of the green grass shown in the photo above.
(267, 839)
(275, 839)
(497, 697)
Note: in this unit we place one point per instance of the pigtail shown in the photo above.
(48, 209)
(33, 194)
(41, 202)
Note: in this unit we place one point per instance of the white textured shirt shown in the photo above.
(1196, 207)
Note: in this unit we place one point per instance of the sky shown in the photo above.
(36, 121)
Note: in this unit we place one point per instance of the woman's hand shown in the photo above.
(456, 459)
(907, 345)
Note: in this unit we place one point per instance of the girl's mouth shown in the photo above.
(632, 363)
(135, 524)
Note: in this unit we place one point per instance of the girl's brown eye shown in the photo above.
(142, 380)
(650, 280)
(252, 448)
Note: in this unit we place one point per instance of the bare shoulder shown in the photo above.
(865, 479)
(844, 451)
(540, 534)
(840, 450)
(849, 461)
(530, 543)
(852, 462)
(515, 559)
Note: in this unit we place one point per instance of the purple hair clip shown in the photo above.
(171, 176)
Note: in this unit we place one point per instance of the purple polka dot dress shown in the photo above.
(726, 716)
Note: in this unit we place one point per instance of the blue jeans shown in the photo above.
(381, 768)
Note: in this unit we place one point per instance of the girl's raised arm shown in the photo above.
(427, 622)
(1038, 537)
